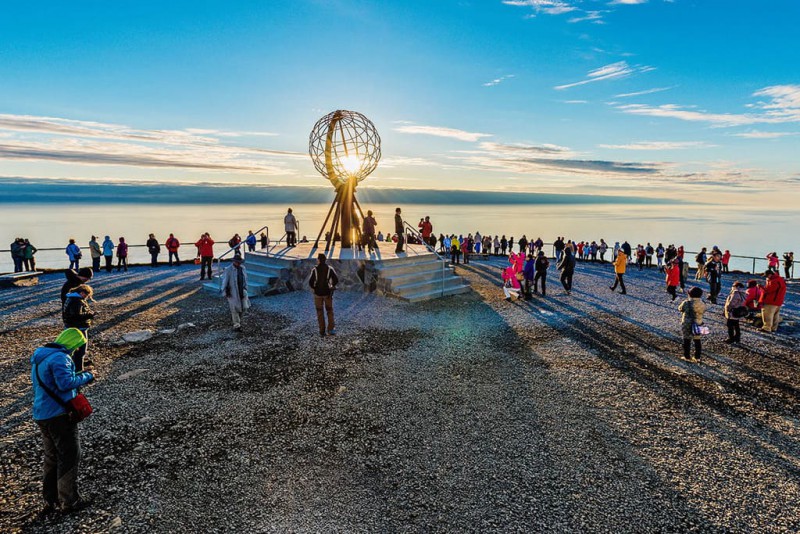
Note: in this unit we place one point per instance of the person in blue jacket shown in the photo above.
(52, 367)
(529, 272)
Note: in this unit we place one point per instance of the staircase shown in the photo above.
(418, 278)
(265, 275)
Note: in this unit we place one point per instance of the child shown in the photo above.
(510, 283)
(735, 300)
(77, 314)
(692, 310)
(673, 278)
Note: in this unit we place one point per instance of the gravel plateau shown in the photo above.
(468, 413)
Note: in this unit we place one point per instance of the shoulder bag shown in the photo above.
(78, 408)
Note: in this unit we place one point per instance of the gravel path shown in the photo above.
(467, 413)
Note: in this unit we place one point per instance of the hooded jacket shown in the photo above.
(57, 372)
(76, 312)
(620, 263)
(774, 291)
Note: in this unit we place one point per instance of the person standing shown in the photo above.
(660, 257)
(788, 261)
(74, 254)
(122, 255)
(620, 264)
(95, 252)
(263, 238)
(771, 301)
(542, 263)
(234, 288)
(673, 275)
(76, 313)
(29, 251)
(290, 225)
(17, 255)
(713, 269)
(399, 230)
(173, 245)
(108, 253)
(427, 230)
(55, 383)
(205, 249)
(323, 282)
(649, 250)
(602, 248)
(701, 259)
(726, 259)
(734, 302)
(154, 249)
(368, 229)
(626, 248)
(250, 241)
(529, 273)
(692, 310)
(567, 268)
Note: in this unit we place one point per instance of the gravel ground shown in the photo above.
(567, 413)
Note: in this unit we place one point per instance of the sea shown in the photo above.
(747, 233)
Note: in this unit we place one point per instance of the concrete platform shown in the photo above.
(416, 274)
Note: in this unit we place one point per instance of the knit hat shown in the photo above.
(71, 339)
(696, 292)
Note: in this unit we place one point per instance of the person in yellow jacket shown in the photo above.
(620, 263)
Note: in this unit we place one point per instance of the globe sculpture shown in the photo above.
(345, 148)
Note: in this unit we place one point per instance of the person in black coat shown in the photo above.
(76, 313)
(567, 268)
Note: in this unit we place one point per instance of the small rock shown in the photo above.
(131, 374)
(116, 522)
(137, 336)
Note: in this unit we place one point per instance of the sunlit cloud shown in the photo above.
(614, 71)
(627, 2)
(659, 145)
(595, 17)
(783, 106)
(549, 7)
(439, 131)
(498, 81)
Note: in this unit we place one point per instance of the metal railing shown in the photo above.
(219, 258)
(413, 231)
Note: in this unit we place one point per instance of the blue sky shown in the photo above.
(671, 99)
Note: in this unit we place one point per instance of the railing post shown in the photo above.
(754, 266)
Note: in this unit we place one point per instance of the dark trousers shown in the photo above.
(205, 266)
(30, 264)
(80, 352)
(109, 262)
(540, 275)
(466, 257)
(714, 288)
(648, 261)
(62, 456)
(619, 281)
(566, 280)
(454, 253)
(673, 291)
(73, 264)
(324, 304)
(177, 259)
(18, 264)
(122, 263)
(96, 264)
(369, 242)
(786, 271)
(687, 348)
(401, 240)
(680, 272)
(734, 333)
(291, 239)
(154, 259)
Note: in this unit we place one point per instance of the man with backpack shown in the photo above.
(323, 282)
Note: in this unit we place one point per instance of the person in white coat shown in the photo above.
(234, 287)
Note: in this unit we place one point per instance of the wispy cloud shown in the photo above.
(645, 92)
(764, 135)
(614, 71)
(659, 145)
(549, 7)
(498, 81)
(440, 131)
(782, 106)
(595, 17)
(33, 138)
(627, 2)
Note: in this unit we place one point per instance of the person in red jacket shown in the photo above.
(172, 247)
(673, 271)
(205, 247)
(771, 301)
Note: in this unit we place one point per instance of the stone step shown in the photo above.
(262, 277)
(417, 276)
(434, 294)
(388, 270)
(416, 287)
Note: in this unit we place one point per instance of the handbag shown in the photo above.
(197, 260)
(77, 408)
(700, 330)
(520, 276)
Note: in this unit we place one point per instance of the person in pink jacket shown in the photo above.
(510, 283)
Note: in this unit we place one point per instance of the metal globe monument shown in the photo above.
(345, 148)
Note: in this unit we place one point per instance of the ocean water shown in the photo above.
(744, 232)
